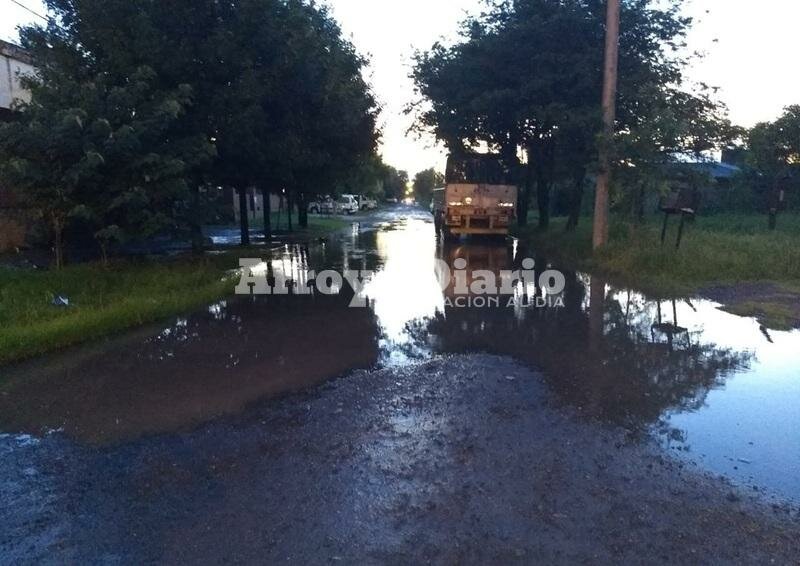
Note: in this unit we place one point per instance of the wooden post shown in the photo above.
(600, 235)
(680, 231)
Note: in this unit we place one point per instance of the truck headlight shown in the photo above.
(506, 205)
(468, 200)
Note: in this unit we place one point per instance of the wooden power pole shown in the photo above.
(600, 237)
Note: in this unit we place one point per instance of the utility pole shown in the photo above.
(600, 236)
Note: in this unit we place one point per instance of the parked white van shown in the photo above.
(347, 204)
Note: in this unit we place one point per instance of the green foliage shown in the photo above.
(424, 183)
(394, 182)
(139, 107)
(367, 178)
(526, 80)
(774, 147)
(95, 150)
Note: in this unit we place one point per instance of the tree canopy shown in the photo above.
(525, 80)
(156, 101)
(775, 146)
(424, 184)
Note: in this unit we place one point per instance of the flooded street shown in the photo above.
(715, 391)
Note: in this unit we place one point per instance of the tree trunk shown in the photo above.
(57, 223)
(267, 215)
(576, 199)
(639, 212)
(302, 211)
(543, 203)
(195, 229)
(523, 202)
(244, 220)
(103, 252)
(773, 219)
(289, 206)
(541, 157)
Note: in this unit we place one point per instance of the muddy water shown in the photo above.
(716, 389)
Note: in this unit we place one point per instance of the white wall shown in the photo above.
(10, 70)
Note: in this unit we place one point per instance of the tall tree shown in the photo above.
(395, 182)
(424, 183)
(525, 78)
(262, 93)
(92, 147)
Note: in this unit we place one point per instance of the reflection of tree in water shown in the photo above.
(611, 359)
(209, 364)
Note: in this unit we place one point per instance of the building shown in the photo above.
(14, 63)
(255, 205)
(716, 193)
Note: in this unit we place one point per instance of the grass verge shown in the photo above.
(106, 300)
(720, 250)
(103, 300)
(772, 314)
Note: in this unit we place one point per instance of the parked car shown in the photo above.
(347, 204)
(323, 205)
(367, 203)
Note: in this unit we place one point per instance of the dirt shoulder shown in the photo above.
(461, 460)
(775, 306)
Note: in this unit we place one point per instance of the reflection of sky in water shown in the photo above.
(406, 288)
(746, 426)
(749, 428)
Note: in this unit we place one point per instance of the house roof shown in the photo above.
(716, 170)
(13, 51)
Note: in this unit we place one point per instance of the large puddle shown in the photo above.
(715, 389)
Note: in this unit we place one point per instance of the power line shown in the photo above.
(34, 12)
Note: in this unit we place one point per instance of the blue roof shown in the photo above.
(716, 170)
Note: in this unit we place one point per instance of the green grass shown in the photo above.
(724, 249)
(104, 300)
(773, 315)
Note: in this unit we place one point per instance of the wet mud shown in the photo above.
(466, 459)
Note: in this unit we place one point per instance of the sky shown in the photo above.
(750, 54)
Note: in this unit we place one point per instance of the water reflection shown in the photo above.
(711, 385)
(210, 364)
(405, 290)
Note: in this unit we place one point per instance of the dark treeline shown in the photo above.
(525, 82)
(142, 110)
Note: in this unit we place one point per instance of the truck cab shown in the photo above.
(478, 197)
